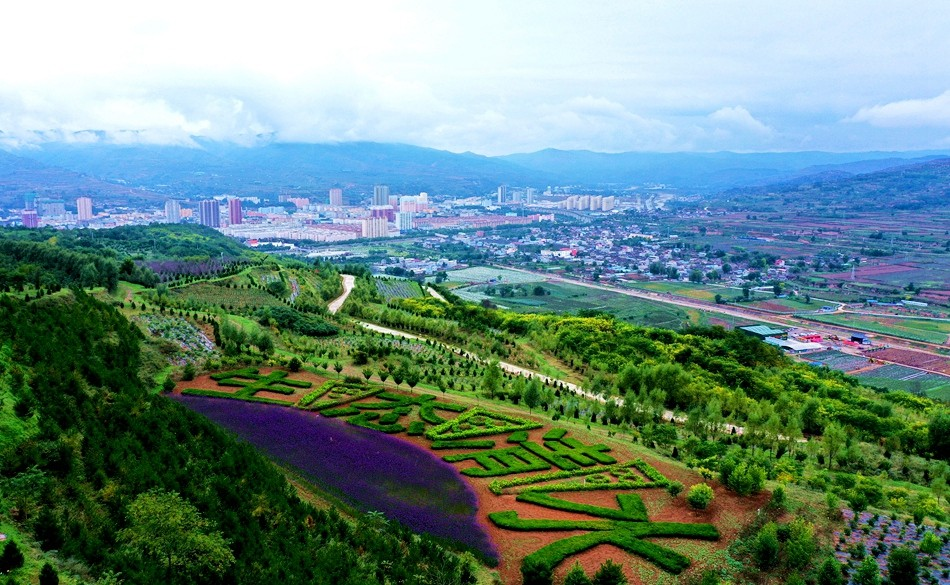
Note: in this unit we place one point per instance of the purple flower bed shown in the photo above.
(369, 469)
(880, 534)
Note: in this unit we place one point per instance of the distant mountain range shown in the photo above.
(924, 185)
(142, 171)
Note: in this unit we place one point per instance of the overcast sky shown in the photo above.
(485, 76)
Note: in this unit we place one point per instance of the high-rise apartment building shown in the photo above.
(30, 218)
(404, 221)
(235, 217)
(530, 195)
(381, 195)
(172, 211)
(29, 201)
(84, 208)
(209, 213)
(375, 227)
(336, 197)
(502, 194)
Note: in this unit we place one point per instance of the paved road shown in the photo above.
(349, 281)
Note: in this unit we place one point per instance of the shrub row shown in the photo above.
(486, 444)
(214, 394)
(251, 373)
(631, 506)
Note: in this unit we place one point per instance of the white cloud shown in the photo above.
(739, 118)
(913, 113)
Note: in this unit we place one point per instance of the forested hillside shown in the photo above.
(91, 463)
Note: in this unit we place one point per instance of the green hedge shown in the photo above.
(213, 394)
(462, 444)
(554, 434)
(631, 506)
(518, 437)
(417, 428)
(251, 373)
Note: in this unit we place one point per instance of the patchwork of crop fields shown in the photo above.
(928, 330)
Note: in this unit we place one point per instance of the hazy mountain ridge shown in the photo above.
(214, 168)
(908, 186)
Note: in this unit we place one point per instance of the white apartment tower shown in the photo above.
(172, 211)
(84, 208)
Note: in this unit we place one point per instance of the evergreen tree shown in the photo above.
(868, 573)
(11, 558)
(48, 575)
(610, 573)
(577, 576)
(830, 572)
(536, 572)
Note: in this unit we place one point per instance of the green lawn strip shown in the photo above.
(342, 411)
(485, 444)
(631, 506)
(251, 373)
(500, 462)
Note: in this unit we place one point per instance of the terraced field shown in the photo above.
(396, 288)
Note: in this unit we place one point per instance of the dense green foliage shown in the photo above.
(699, 496)
(103, 441)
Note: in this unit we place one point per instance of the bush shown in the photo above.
(189, 372)
(800, 547)
(699, 496)
(746, 479)
(868, 573)
(675, 488)
(830, 572)
(930, 544)
(778, 501)
(294, 364)
(902, 566)
(765, 549)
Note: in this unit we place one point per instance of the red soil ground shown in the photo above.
(912, 358)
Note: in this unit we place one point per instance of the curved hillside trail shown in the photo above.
(515, 369)
(435, 294)
(349, 281)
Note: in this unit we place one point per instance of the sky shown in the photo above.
(492, 77)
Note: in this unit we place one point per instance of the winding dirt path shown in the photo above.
(349, 281)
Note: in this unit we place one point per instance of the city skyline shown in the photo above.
(487, 77)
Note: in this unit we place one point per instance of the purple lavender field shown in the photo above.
(874, 535)
(369, 469)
